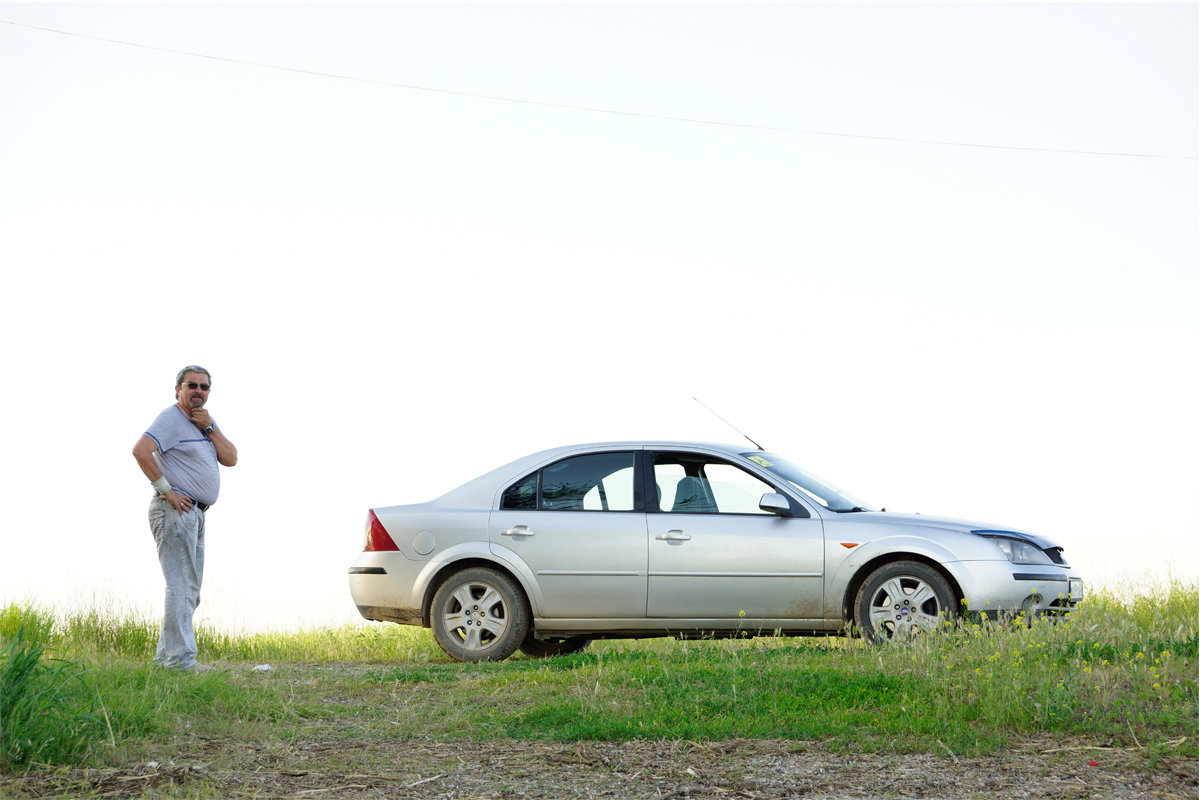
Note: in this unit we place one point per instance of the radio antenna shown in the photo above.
(727, 422)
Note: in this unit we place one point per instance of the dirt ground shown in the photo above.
(734, 769)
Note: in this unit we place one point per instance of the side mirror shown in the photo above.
(776, 504)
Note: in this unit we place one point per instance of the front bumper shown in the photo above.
(1001, 587)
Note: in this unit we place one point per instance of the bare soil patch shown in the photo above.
(507, 769)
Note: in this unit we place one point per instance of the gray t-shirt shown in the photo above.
(188, 459)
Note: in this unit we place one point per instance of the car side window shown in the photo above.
(522, 495)
(593, 482)
(693, 484)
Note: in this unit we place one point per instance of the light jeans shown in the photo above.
(180, 543)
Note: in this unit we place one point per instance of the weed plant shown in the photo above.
(33, 623)
(48, 714)
(1121, 668)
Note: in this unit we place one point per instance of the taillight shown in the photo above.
(377, 536)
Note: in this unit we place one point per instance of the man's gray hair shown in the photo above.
(191, 368)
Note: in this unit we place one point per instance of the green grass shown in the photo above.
(48, 714)
(1121, 670)
(365, 643)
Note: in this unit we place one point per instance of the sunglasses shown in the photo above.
(204, 387)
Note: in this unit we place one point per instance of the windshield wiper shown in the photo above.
(849, 510)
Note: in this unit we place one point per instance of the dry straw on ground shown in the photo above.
(752, 769)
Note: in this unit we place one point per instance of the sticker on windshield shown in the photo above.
(760, 460)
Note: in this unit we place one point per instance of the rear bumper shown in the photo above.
(402, 616)
(381, 585)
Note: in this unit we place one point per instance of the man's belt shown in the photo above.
(196, 503)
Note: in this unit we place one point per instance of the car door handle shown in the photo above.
(673, 536)
(518, 530)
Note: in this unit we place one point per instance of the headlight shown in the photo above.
(1019, 551)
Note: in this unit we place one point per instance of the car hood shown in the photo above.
(957, 525)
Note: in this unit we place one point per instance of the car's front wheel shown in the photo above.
(548, 648)
(902, 599)
(479, 614)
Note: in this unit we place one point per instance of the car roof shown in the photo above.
(480, 492)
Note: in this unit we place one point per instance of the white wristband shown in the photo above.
(162, 485)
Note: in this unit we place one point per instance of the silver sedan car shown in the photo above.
(640, 539)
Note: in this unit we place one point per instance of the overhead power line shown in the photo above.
(592, 109)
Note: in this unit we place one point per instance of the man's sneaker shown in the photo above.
(196, 666)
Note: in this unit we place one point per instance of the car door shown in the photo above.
(580, 526)
(713, 554)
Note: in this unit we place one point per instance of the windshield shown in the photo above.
(821, 492)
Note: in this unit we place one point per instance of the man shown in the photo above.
(180, 454)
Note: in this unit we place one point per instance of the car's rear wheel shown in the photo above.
(901, 600)
(554, 646)
(479, 614)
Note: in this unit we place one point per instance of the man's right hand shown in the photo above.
(182, 502)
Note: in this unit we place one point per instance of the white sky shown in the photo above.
(398, 289)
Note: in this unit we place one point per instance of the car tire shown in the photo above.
(903, 599)
(554, 646)
(479, 614)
